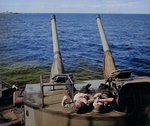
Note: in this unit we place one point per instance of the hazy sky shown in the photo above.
(76, 6)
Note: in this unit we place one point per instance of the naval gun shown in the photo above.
(110, 69)
(57, 66)
(133, 92)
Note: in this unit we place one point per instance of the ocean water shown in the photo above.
(26, 39)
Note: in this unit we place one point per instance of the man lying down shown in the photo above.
(82, 99)
(86, 100)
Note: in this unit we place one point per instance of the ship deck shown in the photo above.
(52, 105)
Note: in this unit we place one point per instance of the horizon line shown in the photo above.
(10, 12)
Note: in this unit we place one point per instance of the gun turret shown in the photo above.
(57, 66)
(109, 63)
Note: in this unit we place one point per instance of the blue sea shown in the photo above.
(26, 39)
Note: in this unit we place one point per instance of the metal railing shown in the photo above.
(55, 84)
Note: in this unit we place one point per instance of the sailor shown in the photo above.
(105, 99)
(67, 99)
(83, 102)
(102, 103)
(82, 99)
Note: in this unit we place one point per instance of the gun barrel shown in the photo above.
(57, 66)
(102, 34)
(54, 34)
(109, 63)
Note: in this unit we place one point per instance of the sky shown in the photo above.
(76, 6)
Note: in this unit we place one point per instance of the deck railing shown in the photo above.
(55, 83)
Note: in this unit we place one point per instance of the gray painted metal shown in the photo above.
(54, 114)
(102, 34)
(57, 66)
(54, 34)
